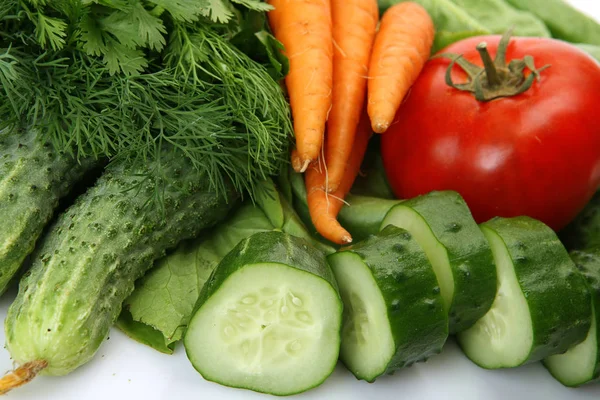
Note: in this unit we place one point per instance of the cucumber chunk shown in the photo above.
(393, 311)
(542, 305)
(581, 363)
(461, 257)
(268, 319)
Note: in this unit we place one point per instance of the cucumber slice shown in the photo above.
(461, 257)
(542, 306)
(268, 319)
(581, 363)
(393, 311)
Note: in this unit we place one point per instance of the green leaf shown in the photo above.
(164, 299)
(121, 58)
(254, 40)
(183, 10)
(92, 36)
(267, 198)
(592, 50)
(274, 50)
(50, 31)
(446, 15)
(219, 11)
(123, 26)
(150, 28)
(446, 38)
(256, 5)
(498, 17)
(143, 333)
(564, 21)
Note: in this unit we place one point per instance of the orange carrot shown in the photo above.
(304, 28)
(324, 207)
(354, 28)
(400, 51)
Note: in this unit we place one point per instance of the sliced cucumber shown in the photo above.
(581, 363)
(393, 311)
(542, 306)
(461, 257)
(269, 317)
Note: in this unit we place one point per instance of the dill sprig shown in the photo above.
(126, 95)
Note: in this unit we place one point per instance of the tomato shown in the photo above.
(536, 153)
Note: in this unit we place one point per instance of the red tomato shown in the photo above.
(535, 154)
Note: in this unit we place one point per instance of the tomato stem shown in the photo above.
(497, 78)
(490, 68)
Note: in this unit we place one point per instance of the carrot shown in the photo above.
(324, 207)
(354, 28)
(400, 51)
(304, 28)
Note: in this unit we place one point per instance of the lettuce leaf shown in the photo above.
(498, 17)
(564, 21)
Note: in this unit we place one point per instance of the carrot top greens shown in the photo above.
(120, 78)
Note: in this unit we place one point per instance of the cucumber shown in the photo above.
(393, 311)
(461, 257)
(269, 317)
(33, 178)
(581, 363)
(362, 216)
(542, 305)
(86, 265)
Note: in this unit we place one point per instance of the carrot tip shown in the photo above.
(380, 126)
(347, 239)
(304, 166)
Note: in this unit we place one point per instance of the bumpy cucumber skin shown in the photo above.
(86, 266)
(418, 320)
(469, 253)
(33, 178)
(557, 296)
(268, 247)
(588, 262)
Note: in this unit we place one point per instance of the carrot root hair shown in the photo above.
(22, 375)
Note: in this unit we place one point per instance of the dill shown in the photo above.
(123, 79)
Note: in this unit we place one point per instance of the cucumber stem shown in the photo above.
(22, 375)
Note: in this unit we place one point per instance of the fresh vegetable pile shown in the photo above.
(208, 173)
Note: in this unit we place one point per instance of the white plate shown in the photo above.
(124, 369)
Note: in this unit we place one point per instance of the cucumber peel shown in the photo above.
(459, 253)
(581, 363)
(393, 311)
(542, 306)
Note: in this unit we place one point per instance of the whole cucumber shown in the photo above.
(33, 178)
(87, 265)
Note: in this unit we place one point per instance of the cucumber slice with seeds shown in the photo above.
(268, 319)
(393, 311)
(581, 363)
(461, 257)
(542, 306)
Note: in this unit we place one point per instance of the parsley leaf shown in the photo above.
(218, 10)
(256, 5)
(50, 31)
(119, 57)
(182, 10)
(150, 28)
